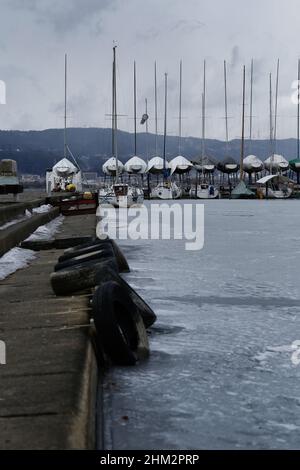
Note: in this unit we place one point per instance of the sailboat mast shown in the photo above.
(203, 113)
(226, 113)
(251, 103)
(113, 110)
(298, 113)
(146, 111)
(165, 120)
(271, 124)
(65, 116)
(115, 126)
(134, 104)
(243, 127)
(276, 104)
(180, 106)
(155, 105)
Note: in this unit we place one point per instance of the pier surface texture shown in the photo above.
(48, 384)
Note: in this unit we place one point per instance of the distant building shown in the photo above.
(31, 178)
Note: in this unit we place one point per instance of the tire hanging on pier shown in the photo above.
(105, 274)
(70, 280)
(119, 327)
(92, 245)
(100, 255)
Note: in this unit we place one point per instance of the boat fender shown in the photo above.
(80, 277)
(95, 256)
(120, 330)
(104, 274)
(91, 242)
(90, 247)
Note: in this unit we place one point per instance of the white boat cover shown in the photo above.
(252, 160)
(277, 178)
(109, 167)
(180, 163)
(157, 163)
(277, 161)
(64, 167)
(136, 165)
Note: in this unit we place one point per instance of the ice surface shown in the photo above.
(220, 373)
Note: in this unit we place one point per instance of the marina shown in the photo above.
(149, 232)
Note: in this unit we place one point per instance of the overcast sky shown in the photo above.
(35, 34)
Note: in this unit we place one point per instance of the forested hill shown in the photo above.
(35, 151)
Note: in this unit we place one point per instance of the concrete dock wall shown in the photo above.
(14, 234)
(48, 386)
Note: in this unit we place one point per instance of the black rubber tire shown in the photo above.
(92, 246)
(99, 255)
(114, 318)
(121, 260)
(92, 241)
(84, 276)
(82, 251)
(105, 274)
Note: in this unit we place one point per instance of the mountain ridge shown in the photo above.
(37, 150)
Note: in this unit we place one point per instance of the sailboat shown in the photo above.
(274, 186)
(64, 175)
(251, 163)
(241, 191)
(135, 165)
(180, 165)
(167, 189)
(204, 190)
(295, 163)
(118, 194)
(228, 165)
(275, 164)
(156, 164)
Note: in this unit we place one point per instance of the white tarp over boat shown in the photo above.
(276, 162)
(275, 178)
(64, 168)
(180, 165)
(204, 164)
(109, 167)
(136, 165)
(156, 165)
(275, 186)
(62, 174)
(252, 164)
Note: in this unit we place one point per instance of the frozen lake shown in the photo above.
(220, 373)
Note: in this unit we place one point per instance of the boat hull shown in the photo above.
(276, 194)
(205, 193)
(165, 192)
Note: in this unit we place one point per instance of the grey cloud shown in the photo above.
(36, 33)
(178, 27)
(65, 16)
(235, 57)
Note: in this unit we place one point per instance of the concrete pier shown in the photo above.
(49, 383)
